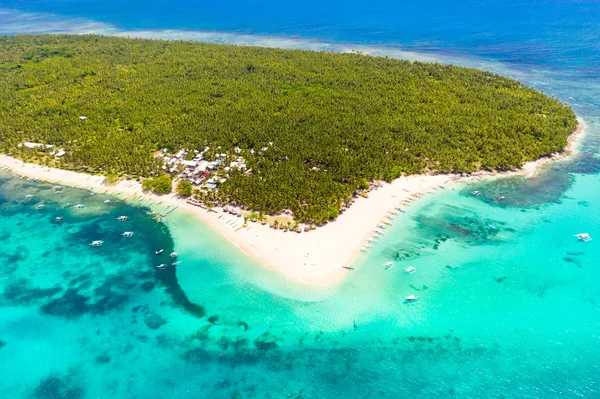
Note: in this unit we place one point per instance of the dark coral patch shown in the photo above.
(70, 305)
(53, 388)
(20, 294)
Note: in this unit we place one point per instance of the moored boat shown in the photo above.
(585, 237)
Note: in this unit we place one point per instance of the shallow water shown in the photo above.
(509, 299)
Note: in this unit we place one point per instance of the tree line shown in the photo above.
(335, 121)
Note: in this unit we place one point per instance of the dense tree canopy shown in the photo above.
(336, 121)
(159, 185)
(184, 187)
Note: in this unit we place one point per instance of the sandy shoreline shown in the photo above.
(314, 258)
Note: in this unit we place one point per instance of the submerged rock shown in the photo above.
(54, 387)
(155, 321)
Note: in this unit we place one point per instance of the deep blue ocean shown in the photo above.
(510, 300)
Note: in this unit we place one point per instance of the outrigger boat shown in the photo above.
(475, 193)
(388, 265)
(160, 251)
(411, 299)
(122, 218)
(162, 266)
(107, 201)
(177, 262)
(97, 243)
(65, 205)
(410, 269)
(173, 254)
(78, 206)
(39, 206)
(29, 196)
(585, 237)
(58, 219)
(127, 234)
(348, 267)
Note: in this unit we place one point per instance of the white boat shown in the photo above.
(39, 206)
(585, 237)
(29, 196)
(65, 205)
(161, 266)
(78, 206)
(410, 269)
(177, 262)
(388, 265)
(173, 254)
(127, 234)
(379, 232)
(58, 219)
(122, 218)
(411, 299)
(400, 209)
(97, 243)
(107, 201)
(160, 251)
(475, 193)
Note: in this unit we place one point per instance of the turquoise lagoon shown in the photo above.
(509, 299)
(509, 302)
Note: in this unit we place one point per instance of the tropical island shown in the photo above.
(269, 130)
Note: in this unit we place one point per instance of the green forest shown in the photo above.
(335, 121)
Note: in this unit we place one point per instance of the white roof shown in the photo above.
(202, 165)
(36, 145)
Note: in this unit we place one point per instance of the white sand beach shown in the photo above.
(315, 257)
